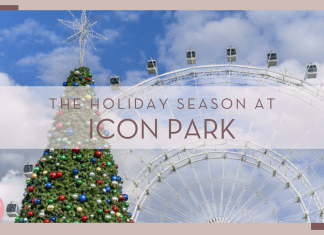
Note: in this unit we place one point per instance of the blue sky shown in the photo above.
(33, 48)
(132, 39)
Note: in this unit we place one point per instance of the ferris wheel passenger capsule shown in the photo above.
(231, 54)
(311, 71)
(12, 209)
(28, 170)
(151, 66)
(191, 57)
(115, 82)
(272, 59)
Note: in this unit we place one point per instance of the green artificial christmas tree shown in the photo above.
(70, 184)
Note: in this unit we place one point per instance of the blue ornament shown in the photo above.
(48, 185)
(73, 97)
(106, 133)
(81, 77)
(53, 219)
(38, 201)
(22, 221)
(65, 84)
(45, 153)
(108, 200)
(119, 178)
(91, 84)
(121, 191)
(129, 213)
(69, 132)
(75, 171)
(114, 178)
(107, 189)
(76, 84)
(99, 148)
(125, 197)
(93, 160)
(53, 134)
(83, 198)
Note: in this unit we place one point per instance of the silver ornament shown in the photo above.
(99, 201)
(91, 216)
(50, 157)
(112, 212)
(76, 72)
(24, 194)
(92, 174)
(76, 177)
(104, 175)
(92, 185)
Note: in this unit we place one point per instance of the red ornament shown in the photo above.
(60, 112)
(116, 166)
(104, 164)
(31, 188)
(98, 113)
(30, 213)
(119, 219)
(105, 210)
(76, 149)
(132, 221)
(101, 126)
(46, 221)
(121, 197)
(115, 208)
(84, 218)
(62, 197)
(26, 208)
(99, 182)
(88, 79)
(34, 200)
(98, 153)
(53, 175)
(59, 126)
(76, 123)
(36, 164)
(79, 91)
(59, 174)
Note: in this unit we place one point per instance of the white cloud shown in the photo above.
(12, 186)
(30, 31)
(54, 67)
(128, 15)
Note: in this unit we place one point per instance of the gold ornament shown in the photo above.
(50, 208)
(88, 97)
(34, 176)
(118, 214)
(79, 209)
(45, 172)
(57, 164)
(98, 169)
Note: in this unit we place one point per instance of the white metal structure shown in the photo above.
(272, 59)
(115, 82)
(191, 56)
(311, 71)
(28, 170)
(151, 66)
(233, 180)
(82, 31)
(12, 209)
(231, 54)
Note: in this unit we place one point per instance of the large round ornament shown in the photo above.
(118, 214)
(68, 207)
(34, 176)
(48, 185)
(59, 126)
(61, 197)
(83, 198)
(31, 188)
(84, 218)
(76, 149)
(53, 175)
(30, 213)
(79, 209)
(114, 199)
(50, 208)
(98, 154)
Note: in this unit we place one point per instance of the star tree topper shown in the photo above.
(82, 31)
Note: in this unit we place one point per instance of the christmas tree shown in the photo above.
(70, 184)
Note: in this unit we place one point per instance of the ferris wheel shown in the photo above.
(231, 181)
